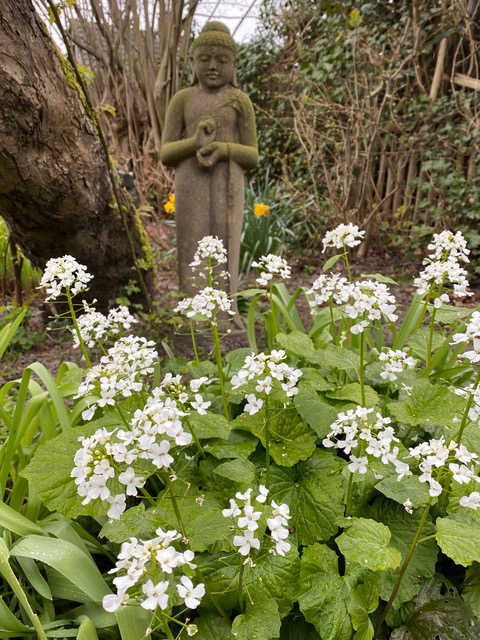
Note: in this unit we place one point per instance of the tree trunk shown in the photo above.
(55, 190)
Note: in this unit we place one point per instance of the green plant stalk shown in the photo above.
(387, 393)
(332, 321)
(194, 344)
(218, 356)
(240, 587)
(267, 444)
(272, 306)
(166, 628)
(430, 343)
(345, 258)
(463, 424)
(404, 567)
(348, 501)
(11, 578)
(201, 450)
(122, 415)
(362, 370)
(77, 330)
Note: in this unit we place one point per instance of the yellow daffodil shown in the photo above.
(261, 210)
(169, 207)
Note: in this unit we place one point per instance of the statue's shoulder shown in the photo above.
(181, 97)
(240, 101)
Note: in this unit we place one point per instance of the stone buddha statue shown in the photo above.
(210, 139)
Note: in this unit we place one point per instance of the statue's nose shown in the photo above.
(213, 64)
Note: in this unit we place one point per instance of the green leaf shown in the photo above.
(14, 521)
(314, 492)
(261, 621)
(135, 522)
(297, 343)
(447, 314)
(458, 536)
(237, 470)
(318, 414)
(86, 630)
(360, 602)
(409, 488)
(428, 404)
(50, 468)
(313, 379)
(210, 425)
(323, 593)
(331, 261)
(295, 627)
(210, 627)
(353, 393)
(240, 444)
(8, 331)
(378, 277)
(403, 527)
(342, 359)
(67, 559)
(10, 625)
(365, 542)
(291, 439)
(471, 593)
(419, 343)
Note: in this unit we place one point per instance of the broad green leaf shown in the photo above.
(352, 393)
(210, 425)
(236, 359)
(360, 602)
(86, 630)
(136, 522)
(67, 559)
(428, 404)
(403, 527)
(419, 343)
(261, 621)
(240, 444)
(314, 492)
(33, 575)
(313, 379)
(50, 468)
(331, 261)
(10, 625)
(210, 627)
(378, 277)
(318, 414)
(14, 521)
(237, 470)
(458, 536)
(408, 488)
(323, 593)
(342, 358)
(291, 439)
(295, 627)
(448, 314)
(366, 542)
(133, 622)
(471, 593)
(297, 343)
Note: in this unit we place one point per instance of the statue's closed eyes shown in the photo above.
(210, 139)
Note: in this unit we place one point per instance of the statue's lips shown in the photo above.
(212, 76)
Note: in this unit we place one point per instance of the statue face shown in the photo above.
(213, 66)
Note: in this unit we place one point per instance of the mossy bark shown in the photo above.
(55, 191)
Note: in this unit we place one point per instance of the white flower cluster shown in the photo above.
(266, 370)
(354, 430)
(63, 273)
(330, 287)
(94, 326)
(120, 373)
(434, 455)
(173, 387)
(395, 362)
(109, 466)
(347, 235)
(206, 303)
(370, 300)
(472, 333)
(209, 248)
(148, 573)
(447, 244)
(248, 523)
(270, 266)
(443, 268)
(474, 411)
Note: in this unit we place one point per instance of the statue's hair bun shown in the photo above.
(215, 34)
(216, 26)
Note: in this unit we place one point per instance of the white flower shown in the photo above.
(271, 265)
(205, 304)
(330, 287)
(233, 511)
(395, 362)
(246, 542)
(472, 333)
(156, 596)
(370, 300)
(117, 506)
(200, 405)
(63, 273)
(358, 464)
(196, 383)
(112, 602)
(345, 234)
(408, 506)
(263, 493)
(250, 518)
(446, 244)
(439, 273)
(253, 404)
(209, 247)
(132, 481)
(472, 501)
(190, 594)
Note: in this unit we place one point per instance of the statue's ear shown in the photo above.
(234, 76)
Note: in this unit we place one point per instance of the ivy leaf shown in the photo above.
(210, 627)
(291, 439)
(353, 393)
(240, 444)
(367, 542)
(237, 470)
(360, 602)
(261, 621)
(403, 527)
(458, 536)
(210, 425)
(297, 343)
(49, 470)
(314, 492)
(342, 359)
(409, 488)
(323, 593)
(427, 404)
(318, 414)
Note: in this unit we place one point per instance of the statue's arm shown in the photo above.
(175, 148)
(245, 153)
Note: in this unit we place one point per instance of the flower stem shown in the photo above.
(267, 444)
(348, 503)
(430, 343)
(345, 258)
(404, 567)
(218, 356)
(77, 330)
(194, 344)
(387, 393)
(362, 372)
(195, 439)
(272, 306)
(240, 587)
(463, 424)
(122, 415)
(332, 321)
(166, 628)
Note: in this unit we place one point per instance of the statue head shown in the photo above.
(214, 56)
